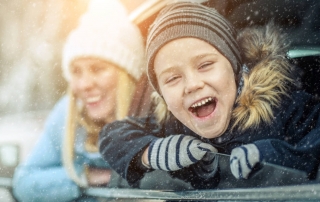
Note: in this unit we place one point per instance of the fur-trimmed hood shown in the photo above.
(270, 78)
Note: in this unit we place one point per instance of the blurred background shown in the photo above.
(32, 33)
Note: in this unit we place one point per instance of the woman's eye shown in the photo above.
(75, 71)
(97, 68)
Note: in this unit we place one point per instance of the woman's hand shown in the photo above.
(98, 176)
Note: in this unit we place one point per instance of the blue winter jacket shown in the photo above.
(42, 176)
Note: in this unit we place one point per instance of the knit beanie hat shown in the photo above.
(106, 32)
(185, 19)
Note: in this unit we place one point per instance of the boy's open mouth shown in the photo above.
(204, 107)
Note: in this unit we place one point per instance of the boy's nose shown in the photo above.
(193, 83)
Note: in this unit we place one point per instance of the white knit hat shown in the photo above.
(106, 32)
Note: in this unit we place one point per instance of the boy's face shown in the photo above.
(198, 85)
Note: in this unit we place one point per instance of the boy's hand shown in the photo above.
(208, 166)
(176, 151)
(243, 159)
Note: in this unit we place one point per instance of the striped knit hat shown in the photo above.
(185, 19)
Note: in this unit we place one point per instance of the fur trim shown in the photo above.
(270, 76)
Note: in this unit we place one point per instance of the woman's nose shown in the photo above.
(193, 83)
(86, 81)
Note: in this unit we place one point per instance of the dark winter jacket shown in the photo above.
(287, 135)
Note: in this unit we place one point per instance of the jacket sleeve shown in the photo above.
(122, 143)
(42, 176)
(301, 124)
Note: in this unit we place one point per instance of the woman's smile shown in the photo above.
(93, 99)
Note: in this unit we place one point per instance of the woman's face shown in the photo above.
(94, 82)
(198, 85)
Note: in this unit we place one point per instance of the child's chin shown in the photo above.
(208, 133)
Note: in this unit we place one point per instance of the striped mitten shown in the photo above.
(243, 159)
(176, 151)
(208, 166)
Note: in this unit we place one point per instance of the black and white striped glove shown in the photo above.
(176, 152)
(243, 159)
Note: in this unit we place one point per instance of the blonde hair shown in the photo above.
(161, 111)
(77, 116)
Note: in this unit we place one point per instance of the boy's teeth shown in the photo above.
(201, 102)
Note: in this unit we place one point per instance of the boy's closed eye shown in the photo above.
(172, 79)
(169, 77)
(206, 65)
(206, 61)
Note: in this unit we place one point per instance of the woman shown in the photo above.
(218, 91)
(102, 67)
